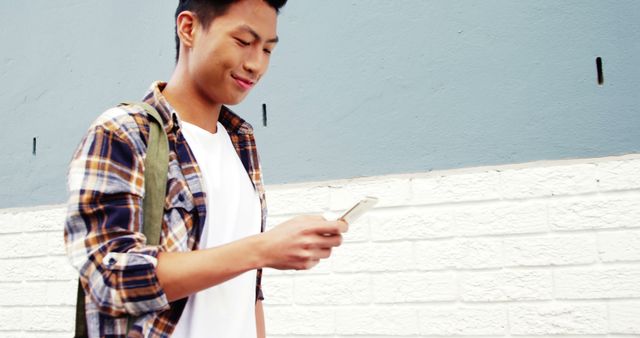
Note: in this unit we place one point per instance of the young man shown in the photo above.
(203, 280)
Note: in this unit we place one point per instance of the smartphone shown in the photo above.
(358, 209)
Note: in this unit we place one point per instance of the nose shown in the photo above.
(256, 62)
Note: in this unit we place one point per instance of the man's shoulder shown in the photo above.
(124, 120)
(120, 116)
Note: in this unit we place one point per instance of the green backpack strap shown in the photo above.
(81, 319)
(156, 167)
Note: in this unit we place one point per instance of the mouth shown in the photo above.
(244, 83)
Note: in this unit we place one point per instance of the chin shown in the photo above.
(232, 101)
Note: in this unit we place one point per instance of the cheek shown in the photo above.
(215, 66)
(207, 73)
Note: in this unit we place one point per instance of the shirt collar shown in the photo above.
(231, 122)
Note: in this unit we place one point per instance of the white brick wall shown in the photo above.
(37, 284)
(528, 250)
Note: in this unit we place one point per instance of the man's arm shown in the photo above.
(184, 273)
(102, 229)
(298, 243)
(260, 320)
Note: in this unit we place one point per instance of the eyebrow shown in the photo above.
(256, 35)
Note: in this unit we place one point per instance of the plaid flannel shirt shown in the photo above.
(103, 234)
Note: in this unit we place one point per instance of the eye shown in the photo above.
(267, 51)
(242, 42)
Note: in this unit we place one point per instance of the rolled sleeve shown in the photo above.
(104, 221)
(127, 284)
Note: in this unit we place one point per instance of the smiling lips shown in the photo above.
(245, 84)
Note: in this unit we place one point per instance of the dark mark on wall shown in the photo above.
(33, 151)
(599, 70)
(264, 114)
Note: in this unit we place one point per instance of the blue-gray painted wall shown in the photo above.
(355, 88)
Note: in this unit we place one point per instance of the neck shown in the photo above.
(189, 102)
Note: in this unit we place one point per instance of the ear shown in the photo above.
(186, 23)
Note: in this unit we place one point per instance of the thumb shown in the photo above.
(330, 215)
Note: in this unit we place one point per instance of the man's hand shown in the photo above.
(301, 242)
(298, 243)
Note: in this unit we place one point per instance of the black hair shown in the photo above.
(207, 10)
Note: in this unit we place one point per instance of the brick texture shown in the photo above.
(530, 250)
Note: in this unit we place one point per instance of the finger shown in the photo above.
(319, 253)
(342, 225)
(327, 228)
(331, 227)
(324, 253)
(330, 241)
(311, 263)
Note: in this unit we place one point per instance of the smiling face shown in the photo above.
(229, 57)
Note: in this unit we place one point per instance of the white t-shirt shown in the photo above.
(233, 212)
